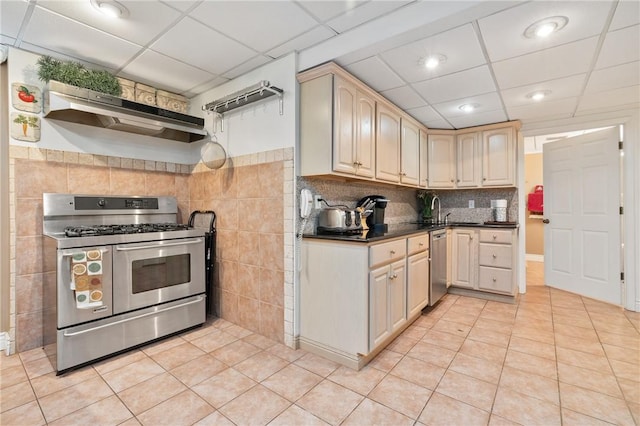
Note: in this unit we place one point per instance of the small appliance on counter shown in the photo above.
(375, 221)
(499, 210)
(339, 220)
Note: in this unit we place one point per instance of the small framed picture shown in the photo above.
(25, 127)
(26, 97)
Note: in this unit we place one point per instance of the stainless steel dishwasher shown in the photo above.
(438, 284)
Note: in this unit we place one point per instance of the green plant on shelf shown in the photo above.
(78, 75)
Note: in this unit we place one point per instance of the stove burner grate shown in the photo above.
(135, 228)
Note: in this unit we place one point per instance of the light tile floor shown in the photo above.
(552, 358)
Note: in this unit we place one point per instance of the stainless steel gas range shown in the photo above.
(126, 274)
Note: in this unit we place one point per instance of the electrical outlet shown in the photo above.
(316, 201)
(472, 204)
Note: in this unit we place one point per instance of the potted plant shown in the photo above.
(426, 197)
(76, 74)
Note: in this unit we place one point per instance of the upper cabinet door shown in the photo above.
(423, 159)
(387, 144)
(469, 160)
(344, 145)
(441, 161)
(365, 134)
(409, 153)
(498, 165)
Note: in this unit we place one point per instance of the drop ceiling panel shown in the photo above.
(363, 13)
(550, 64)
(627, 14)
(215, 52)
(503, 32)
(404, 97)
(77, 40)
(375, 73)
(260, 24)
(42, 51)
(486, 102)
(11, 17)
(457, 85)
(309, 38)
(424, 114)
(439, 124)
(478, 119)
(251, 64)
(325, 10)
(614, 77)
(619, 47)
(612, 99)
(139, 27)
(460, 46)
(165, 73)
(182, 5)
(204, 87)
(560, 88)
(551, 109)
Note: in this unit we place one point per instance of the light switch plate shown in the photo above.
(472, 204)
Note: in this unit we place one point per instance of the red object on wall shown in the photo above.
(535, 199)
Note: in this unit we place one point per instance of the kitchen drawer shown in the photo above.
(387, 252)
(496, 280)
(495, 236)
(417, 244)
(496, 255)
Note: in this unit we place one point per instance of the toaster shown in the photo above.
(336, 220)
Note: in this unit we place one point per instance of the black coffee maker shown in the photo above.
(375, 221)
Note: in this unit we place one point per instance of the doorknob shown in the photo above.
(545, 220)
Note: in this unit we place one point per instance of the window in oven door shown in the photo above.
(150, 273)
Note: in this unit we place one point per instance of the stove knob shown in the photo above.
(101, 202)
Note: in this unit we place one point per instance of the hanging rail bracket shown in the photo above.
(251, 94)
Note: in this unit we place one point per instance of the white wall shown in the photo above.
(65, 136)
(259, 126)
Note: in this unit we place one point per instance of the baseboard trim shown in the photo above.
(534, 257)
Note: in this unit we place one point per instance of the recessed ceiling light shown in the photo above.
(539, 95)
(432, 61)
(546, 26)
(468, 107)
(110, 8)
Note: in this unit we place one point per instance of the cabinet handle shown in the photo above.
(494, 280)
(392, 252)
(420, 244)
(494, 256)
(355, 163)
(495, 236)
(484, 178)
(458, 180)
(393, 277)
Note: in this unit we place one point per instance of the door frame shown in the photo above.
(630, 119)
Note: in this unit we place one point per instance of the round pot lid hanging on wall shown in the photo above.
(212, 153)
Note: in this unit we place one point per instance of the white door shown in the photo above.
(581, 178)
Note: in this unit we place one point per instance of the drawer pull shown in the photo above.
(494, 256)
(393, 277)
(495, 236)
(392, 252)
(494, 280)
(420, 244)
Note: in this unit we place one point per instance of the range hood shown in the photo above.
(76, 105)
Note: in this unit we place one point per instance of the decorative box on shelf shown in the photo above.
(172, 101)
(145, 94)
(128, 89)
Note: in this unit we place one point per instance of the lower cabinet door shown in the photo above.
(417, 282)
(379, 327)
(397, 295)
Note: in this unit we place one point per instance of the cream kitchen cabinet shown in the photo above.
(356, 298)
(483, 259)
(409, 152)
(334, 109)
(464, 263)
(441, 160)
(469, 160)
(417, 274)
(424, 164)
(498, 157)
(387, 144)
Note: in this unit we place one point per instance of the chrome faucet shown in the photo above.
(433, 203)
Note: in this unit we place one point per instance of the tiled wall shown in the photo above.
(253, 199)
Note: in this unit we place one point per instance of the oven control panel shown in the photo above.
(115, 203)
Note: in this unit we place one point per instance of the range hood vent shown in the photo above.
(83, 106)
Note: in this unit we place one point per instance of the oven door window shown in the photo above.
(160, 272)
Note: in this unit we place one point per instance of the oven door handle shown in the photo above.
(198, 300)
(181, 243)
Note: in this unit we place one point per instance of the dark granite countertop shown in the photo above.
(405, 229)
